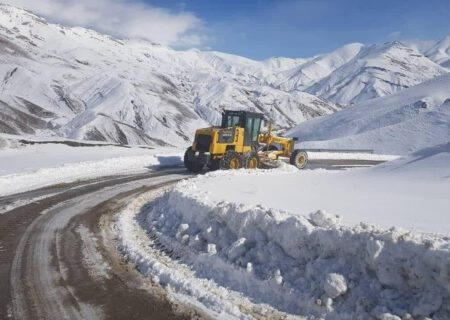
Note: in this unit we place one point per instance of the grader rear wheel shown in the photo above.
(214, 164)
(299, 158)
(251, 160)
(234, 163)
(191, 162)
(231, 160)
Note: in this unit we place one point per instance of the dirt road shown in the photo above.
(57, 260)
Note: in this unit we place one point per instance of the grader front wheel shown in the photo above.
(299, 158)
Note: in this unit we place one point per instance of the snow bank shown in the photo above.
(309, 265)
(37, 166)
(18, 158)
(181, 281)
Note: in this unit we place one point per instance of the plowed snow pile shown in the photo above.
(305, 262)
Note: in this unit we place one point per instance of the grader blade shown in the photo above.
(269, 163)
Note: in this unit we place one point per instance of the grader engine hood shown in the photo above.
(226, 135)
(207, 139)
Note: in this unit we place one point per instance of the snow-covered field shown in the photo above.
(357, 196)
(358, 244)
(35, 166)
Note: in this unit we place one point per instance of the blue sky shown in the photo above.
(264, 28)
(256, 29)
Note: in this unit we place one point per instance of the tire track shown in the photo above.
(32, 277)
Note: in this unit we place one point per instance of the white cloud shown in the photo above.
(395, 34)
(122, 18)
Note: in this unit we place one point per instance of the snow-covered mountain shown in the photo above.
(438, 51)
(307, 74)
(77, 83)
(357, 72)
(376, 71)
(415, 118)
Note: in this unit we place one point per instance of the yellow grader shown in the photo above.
(239, 143)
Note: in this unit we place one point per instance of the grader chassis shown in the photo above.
(239, 143)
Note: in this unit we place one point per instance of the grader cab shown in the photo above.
(239, 143)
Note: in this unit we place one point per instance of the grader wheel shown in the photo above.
(192, 163)
(231, 160)
(299, 158)
(214, 165)
(251, 160)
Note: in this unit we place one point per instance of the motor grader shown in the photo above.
(239, 143)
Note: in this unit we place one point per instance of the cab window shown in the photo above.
(232, 121)
(248, 127)
(256, 128)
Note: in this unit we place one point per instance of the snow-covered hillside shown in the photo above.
(412, 119)
(355, 72)
(311, 71)
(376, 71)
(76, 83)
(438, 51)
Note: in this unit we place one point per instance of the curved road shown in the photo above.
(58, 255)
(58, 260)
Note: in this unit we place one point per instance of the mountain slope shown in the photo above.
(407, 121)
(308, 73)
(437, 51)
(76, 83)
(440, 52)
(376, 71)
